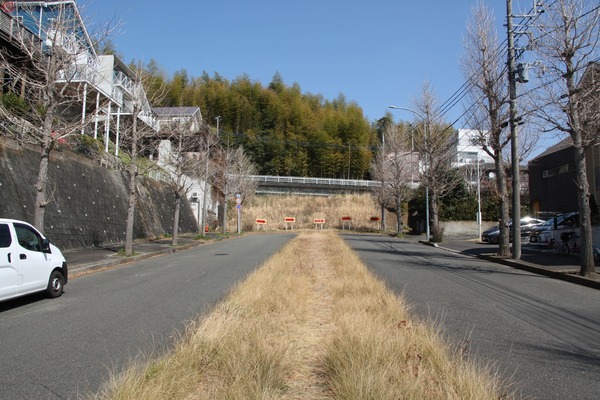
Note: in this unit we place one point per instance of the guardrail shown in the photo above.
(314, 181)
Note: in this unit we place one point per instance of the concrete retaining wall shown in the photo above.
(465, 229)
(89, 203)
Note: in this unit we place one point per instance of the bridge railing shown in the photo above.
(314, 181)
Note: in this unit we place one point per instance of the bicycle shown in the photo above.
(551, 244)
(569, 243)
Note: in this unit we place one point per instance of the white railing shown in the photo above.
(122, 80)
(314, 181)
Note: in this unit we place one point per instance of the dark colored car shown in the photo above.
(492, 235)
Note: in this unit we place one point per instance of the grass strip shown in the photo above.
(311, 323)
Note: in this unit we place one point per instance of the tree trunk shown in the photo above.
(435, 219)
(130, 214)
(224, 219)
(176, 219)
(204, 204)
(587, 267)
(503, 207)
(399, 217)
(41, 186)
(133, 173)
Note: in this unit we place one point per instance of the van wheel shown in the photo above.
(55, 284)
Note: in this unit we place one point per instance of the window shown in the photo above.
(5, 238)
(28, 238)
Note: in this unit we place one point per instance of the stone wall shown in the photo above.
(89, 202)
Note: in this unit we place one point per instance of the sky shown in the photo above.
(376, 53)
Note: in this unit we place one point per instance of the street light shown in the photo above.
(426, 181)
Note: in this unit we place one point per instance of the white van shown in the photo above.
(28, 262)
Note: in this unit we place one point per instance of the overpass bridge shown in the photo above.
(310, 186)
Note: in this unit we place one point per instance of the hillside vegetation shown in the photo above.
(305, 209)
(311, 323)
(284, 131)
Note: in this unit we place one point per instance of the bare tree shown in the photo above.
(233, 177)
(567, 46)
(139, 136)
(206, 172)
(435, 142)
(47, 72)
(485, 71)
(394, 168)
(181, 163)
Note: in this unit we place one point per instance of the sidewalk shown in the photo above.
(85, 260)
(533, 259)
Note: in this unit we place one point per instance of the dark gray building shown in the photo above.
(552, 180)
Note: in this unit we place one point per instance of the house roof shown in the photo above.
(591, 72)
(563, 144)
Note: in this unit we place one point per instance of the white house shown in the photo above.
(467, 151)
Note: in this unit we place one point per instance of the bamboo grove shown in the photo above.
(284, 131)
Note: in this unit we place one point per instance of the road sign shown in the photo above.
(238, 201)
(288, 221)
(238, 206)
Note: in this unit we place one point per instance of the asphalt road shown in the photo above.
(542, 334)
(66, 347)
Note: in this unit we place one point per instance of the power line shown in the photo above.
(466, 87)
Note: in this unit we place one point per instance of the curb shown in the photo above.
(83, 269)
(529, 267)
(580, 280)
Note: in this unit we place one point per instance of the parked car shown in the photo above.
(527, 224)
(543, 233)
(29, 263)
(492, 235)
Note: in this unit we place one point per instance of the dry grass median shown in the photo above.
(312, 323)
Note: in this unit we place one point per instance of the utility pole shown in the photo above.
(517, 73)
(383, 178)
(514, 142)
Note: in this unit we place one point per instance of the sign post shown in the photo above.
(375, 221)
(319, 222)
(261, 222)
(289, 220)
(346, 220)
(238, 205)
